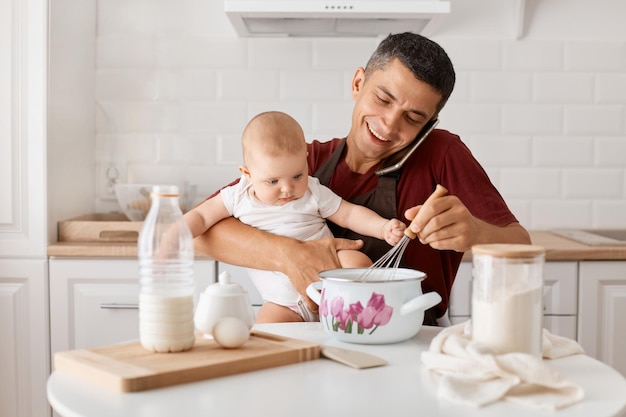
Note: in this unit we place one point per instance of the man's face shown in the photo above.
(390, 109)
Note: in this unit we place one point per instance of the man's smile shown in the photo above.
(375, 133)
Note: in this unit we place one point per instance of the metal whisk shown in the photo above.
(385, 268)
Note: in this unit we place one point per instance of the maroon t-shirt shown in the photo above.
(444, 159)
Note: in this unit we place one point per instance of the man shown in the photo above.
(398, 97)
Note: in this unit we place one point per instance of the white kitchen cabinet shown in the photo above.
(23, 100)
(460, 304)
(560, 297)
(24, 364)
(560, 300)
(93, 302)
(602, 299)
(23, 338)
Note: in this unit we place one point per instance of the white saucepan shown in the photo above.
(375, 311)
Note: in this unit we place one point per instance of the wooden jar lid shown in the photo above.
(508, 250)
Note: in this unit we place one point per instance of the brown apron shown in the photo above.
(381, 199)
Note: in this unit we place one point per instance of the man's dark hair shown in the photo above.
(422, 56)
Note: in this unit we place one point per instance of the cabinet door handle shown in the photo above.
(120, 306)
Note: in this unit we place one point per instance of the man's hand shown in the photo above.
(303, 261)
(445, 223)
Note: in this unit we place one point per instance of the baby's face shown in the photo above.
(277, 180)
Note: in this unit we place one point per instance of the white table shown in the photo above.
(323, 388)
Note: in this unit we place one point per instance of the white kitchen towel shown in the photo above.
(472, 374)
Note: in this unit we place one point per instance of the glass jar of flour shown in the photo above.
(507, 293)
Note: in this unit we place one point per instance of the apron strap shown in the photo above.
(325, 172)
(381, 199)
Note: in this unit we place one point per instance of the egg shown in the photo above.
(231, 332)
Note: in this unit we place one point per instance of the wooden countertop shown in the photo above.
(98, 250)
(93, 249)
(558, 248)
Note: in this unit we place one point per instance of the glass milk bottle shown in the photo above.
(507, 297)
(166, 286)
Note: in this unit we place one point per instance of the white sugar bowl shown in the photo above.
(222, 299)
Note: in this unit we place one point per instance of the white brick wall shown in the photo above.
(545, 114)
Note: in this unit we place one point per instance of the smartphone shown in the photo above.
(428, 127)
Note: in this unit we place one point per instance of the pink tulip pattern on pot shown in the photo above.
(375, 314)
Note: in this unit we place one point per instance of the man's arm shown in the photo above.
(233, 242)
(447, 224)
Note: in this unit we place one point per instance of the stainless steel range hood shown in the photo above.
(331, 17)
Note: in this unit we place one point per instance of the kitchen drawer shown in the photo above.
(560, 280)
(461, 295)
(560, 289)
(93, 302)
(103, 312)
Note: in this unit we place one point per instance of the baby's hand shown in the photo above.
(393, 231)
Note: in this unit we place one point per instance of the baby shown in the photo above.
(276, 194)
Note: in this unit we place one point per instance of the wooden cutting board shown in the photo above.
(129, 367)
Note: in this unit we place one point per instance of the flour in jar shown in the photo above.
(166, 323)
(512, 323)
